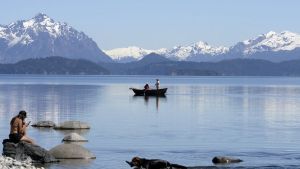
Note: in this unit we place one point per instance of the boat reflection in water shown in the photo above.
(148, 99)
(157, 99)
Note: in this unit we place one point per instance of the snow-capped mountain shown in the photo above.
(131, 53)
(176, 53)
(195, 50)
(271, 41)
(270, 46)
(41, 37)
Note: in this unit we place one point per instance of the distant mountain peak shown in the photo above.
(198, 48)
(41, 17)
(41, 36)
(153, 58)
(201, 44)
(270, 41)
(270, 34)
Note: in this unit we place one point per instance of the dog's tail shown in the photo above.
(177, 166)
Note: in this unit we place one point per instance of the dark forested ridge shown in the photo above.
(53, 65)
(154, 65)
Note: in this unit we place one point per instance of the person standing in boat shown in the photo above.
(18, 128)
(157, 84)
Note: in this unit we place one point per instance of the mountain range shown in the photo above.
(271, 46)
(41, 37)
(154, 64)
(42, 46)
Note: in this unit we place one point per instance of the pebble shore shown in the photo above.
(10, 163)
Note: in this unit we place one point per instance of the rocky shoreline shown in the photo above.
(10, 163)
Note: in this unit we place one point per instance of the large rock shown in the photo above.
(225, 160)
(22, 150)
(71, 151)
(74, 137)
(72, 125)
(44, 124)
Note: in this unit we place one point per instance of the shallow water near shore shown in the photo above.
(256, 119)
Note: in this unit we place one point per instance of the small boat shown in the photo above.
(149, 92)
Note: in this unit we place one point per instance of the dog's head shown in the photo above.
(135, 162)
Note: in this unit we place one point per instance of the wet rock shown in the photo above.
(225, 160)
(71, 151)
(22, 151)
(48, 124)
(72, 125)
(74, 137)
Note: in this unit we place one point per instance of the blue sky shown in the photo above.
(153, 24)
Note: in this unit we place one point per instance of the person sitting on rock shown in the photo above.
(18, 128)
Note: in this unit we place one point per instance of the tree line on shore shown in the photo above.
(153, 65)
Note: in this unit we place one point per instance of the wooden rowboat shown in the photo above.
(149, 92)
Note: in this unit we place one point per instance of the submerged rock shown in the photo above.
(44, 124)
(72, 125)
(22, 151)
(71, 151)
(225, 160)
(74, 137)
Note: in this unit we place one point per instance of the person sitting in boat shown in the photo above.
(18, 128)
(157, 84)
(146, 87)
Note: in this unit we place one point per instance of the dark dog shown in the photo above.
(224, 160)
(142, 163)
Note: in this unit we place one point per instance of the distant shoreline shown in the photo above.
(152, 65)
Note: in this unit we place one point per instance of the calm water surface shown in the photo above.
(256, 119)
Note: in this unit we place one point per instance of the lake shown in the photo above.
(256, 119)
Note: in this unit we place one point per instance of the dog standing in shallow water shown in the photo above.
(142, 163)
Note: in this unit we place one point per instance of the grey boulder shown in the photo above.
(72, 125)
(44, 124)
(74, 137)
(71, 151)
(22, 150)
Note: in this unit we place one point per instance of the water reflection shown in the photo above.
(81, 132)
(46, 102)
(69, 163)
(149, 99)
(157, 99)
